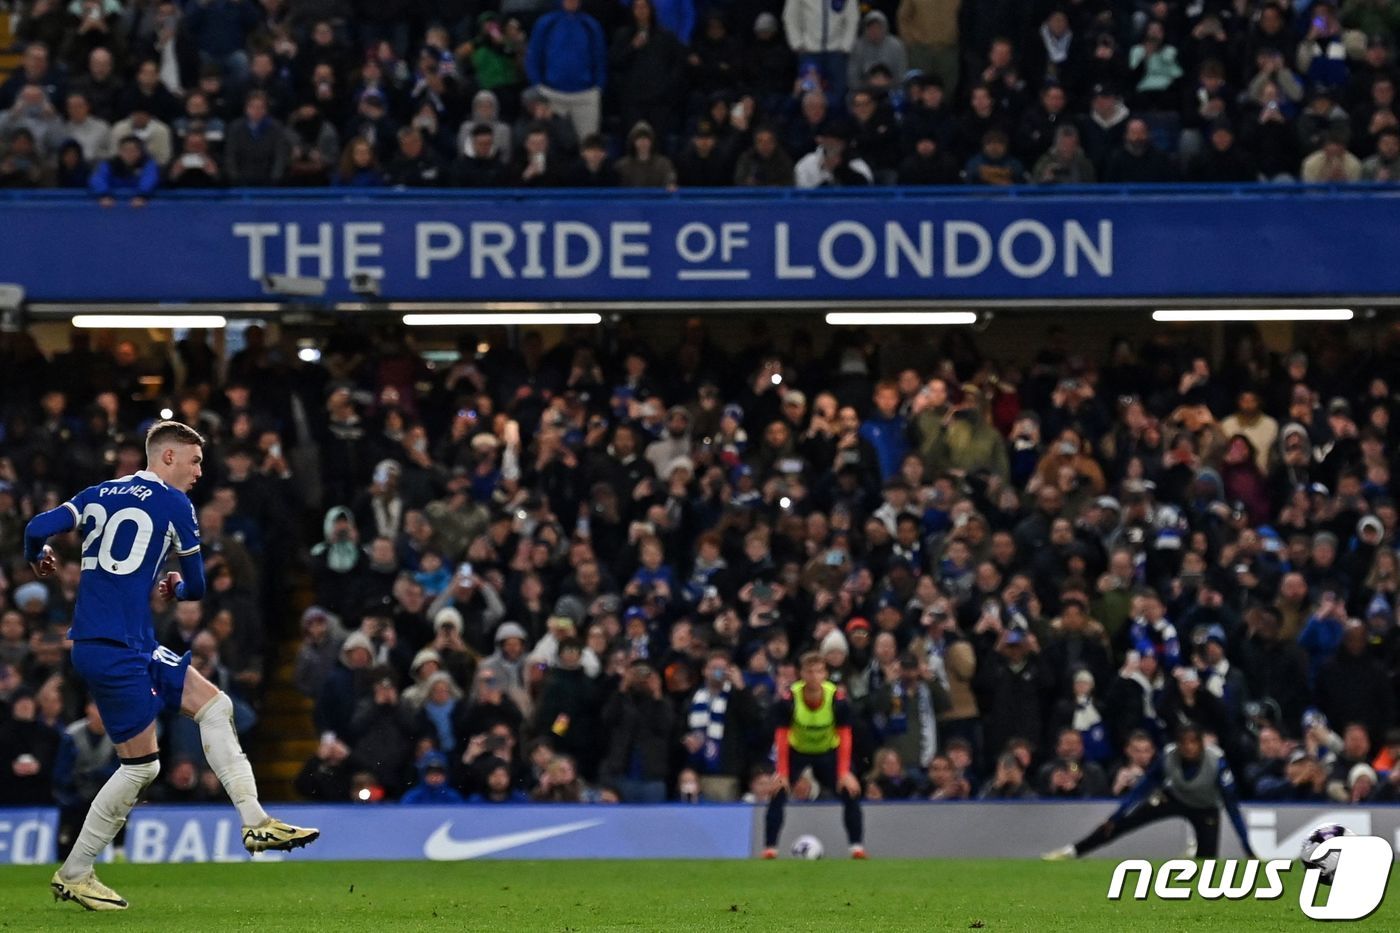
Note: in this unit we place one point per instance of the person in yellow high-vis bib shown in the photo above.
(814, 732)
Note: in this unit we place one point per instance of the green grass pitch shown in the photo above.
(833, 894)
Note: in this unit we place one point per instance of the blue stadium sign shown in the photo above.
(899, 246)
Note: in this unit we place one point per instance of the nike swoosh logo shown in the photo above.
(441, 847)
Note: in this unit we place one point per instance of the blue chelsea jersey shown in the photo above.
(127, 526)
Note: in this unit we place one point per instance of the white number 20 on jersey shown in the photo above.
(105, 529)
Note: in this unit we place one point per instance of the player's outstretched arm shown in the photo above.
(1150, 782)
(42, 527)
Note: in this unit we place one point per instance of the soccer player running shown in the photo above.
(1189, 780)
(128, 526)
(814, 731)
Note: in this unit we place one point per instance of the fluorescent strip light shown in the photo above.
(485, 320)
(119, 321)
(1252, 314)
(905, 318)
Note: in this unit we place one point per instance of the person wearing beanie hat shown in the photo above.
(322, 636)
(426, 663)
(834, 643)
(1361, 783)
(32, 598)
(432, 786)
(448, 617)
(508, 661)
(814, 734)
(876, 46)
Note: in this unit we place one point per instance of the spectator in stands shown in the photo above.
(1384, 166)
(1155, 68)
(93, 134)
(537, 166)
(875, 46)
(21, 165)
(32, 112)
(1333, 162)
(1035, 134)
(326, 775)
(1322, 55)
(147, 92)
(890, 780)
(381, 733)
(154, 134)
(639, 723)
(1222, 160)
(648, 62)
(1008, 782)
(130, 173)
(929, 29)
(1065, 163)
(876, 134)
(765, 163)
(314, 148)
(1103, 129)
(256, 150)
(822, 33)
(322, 637)
(944, 781)
(480, 166)
(643, 166)
(359, 166)
(1352, 687)
(994, 165)
(832, 163)
(220, 29)
(1138, 161)
(416, 165)
(567, 61)
(35, 70)
(28, 749)
(703, 164)
(928, 164)
(432, 786)
(195, 167)
(85, 760)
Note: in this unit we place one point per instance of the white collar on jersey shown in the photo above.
(143, 474)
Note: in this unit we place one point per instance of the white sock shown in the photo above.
(109, 811)
(226, 757)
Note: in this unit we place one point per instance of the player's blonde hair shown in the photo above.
(167, 433)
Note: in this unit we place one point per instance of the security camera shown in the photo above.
(364, 285)
(11, 308)
(11, 297)
(298, 286)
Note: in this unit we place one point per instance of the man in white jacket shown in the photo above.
(822, 33)
(832, 164)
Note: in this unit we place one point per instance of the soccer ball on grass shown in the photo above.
(808, 847)
(1327, 864)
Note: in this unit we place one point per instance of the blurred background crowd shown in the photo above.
(581, 568)
(127, 98)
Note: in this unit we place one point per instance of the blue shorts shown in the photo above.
(131, 687)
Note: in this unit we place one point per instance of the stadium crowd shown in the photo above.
(127, 98)
(585, 571)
